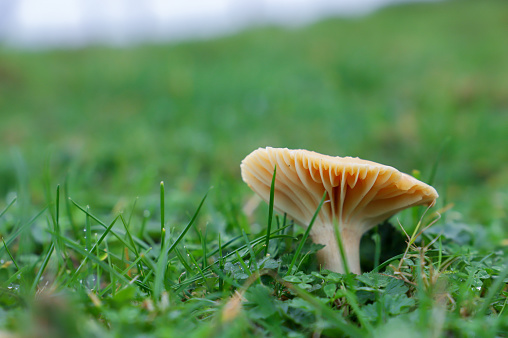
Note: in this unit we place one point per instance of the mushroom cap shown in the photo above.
(359, 192)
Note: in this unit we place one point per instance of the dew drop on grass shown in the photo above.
(14, 287)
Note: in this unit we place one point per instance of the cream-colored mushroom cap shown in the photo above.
(360, 195)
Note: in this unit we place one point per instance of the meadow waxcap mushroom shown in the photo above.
(360, 195)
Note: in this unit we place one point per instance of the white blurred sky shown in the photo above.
(52, 23)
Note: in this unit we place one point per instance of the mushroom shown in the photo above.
(360, 195)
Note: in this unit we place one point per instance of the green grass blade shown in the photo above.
(85, 260)
(112, 277)
(90, 256)
(183, 261)
(224, 277)
(68, 203)
(200, 271)
(21, 229)
(57, 208)
(397, 257)
(242, 263)
(244, 247)
(135, 262)
(11, 203)
(131, 240)
(98, 273)
(88, 235)
(270, 210)
(121, 233)
(252, 261)
(353, 302)
(162, 205)
(59, 246)
(10, 255)
(262, 238)
(132, 210)
(146, 216)
(377, 242)
(494, 289)
(15, 277)
(42, 268)
(191, 222)
(160, 270)
(178, 287)
(338, 237)
(221, 266)
(129, 236)
(122, 240)
(305, 235)
(204, 247)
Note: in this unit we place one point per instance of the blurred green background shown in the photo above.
(395, 87)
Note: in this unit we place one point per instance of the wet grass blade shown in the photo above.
(90, 256)
(85, 260)
(183, 261)
(122, 240)
(15, 277)
(242, 263)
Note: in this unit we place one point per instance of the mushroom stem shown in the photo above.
(330, 257)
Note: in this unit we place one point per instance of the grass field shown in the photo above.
(88, 135)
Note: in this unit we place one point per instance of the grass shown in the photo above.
(88, 135)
